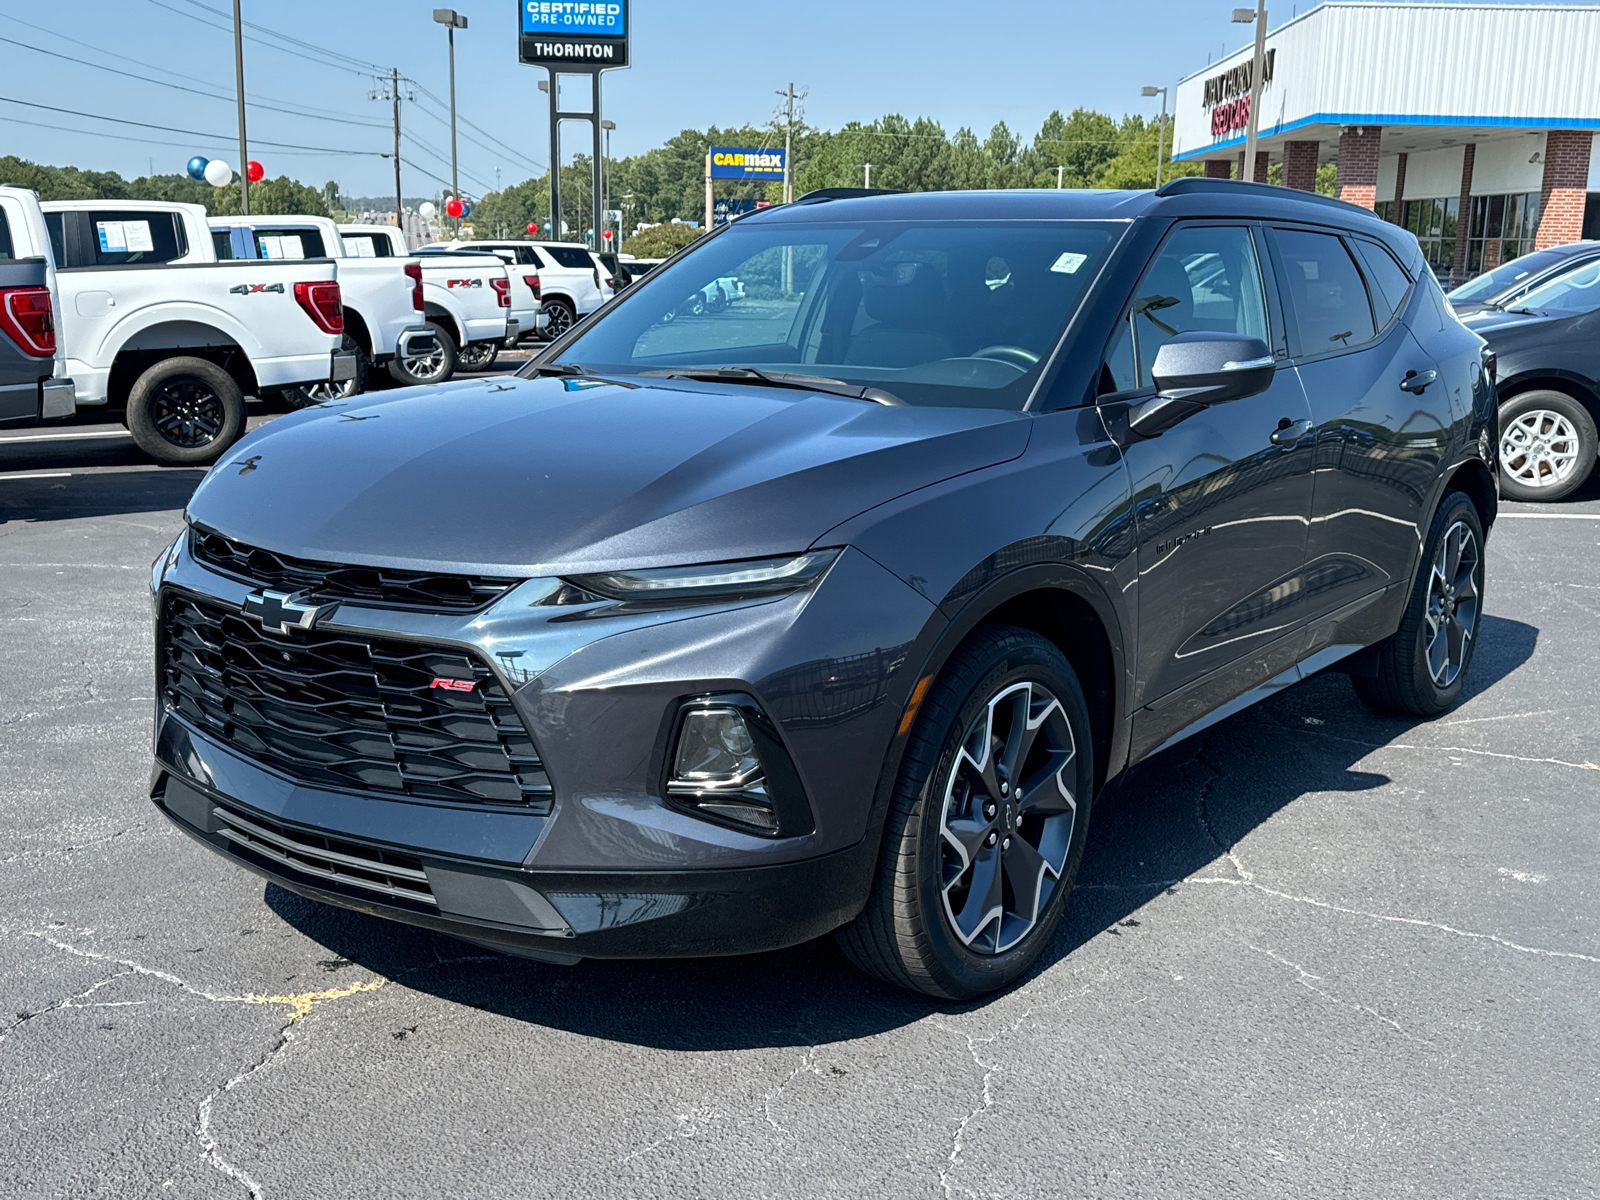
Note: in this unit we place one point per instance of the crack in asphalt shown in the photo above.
(60, 850)
(1203, 802)
(1304, 981)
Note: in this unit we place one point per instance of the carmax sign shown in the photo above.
(735, 162)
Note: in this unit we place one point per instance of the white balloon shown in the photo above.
(218, 173)
(427, 211)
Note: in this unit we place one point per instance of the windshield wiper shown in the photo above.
(557, 368)
(1522, 312)
(780, 379)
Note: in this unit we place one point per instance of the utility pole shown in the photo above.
(1161, 131)
(1059, 172)
(1243, 16)
(867, 167)
(454, 21)
(238, 83)
(788, 144)
(399, 203)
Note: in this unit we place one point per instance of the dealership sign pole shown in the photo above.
(574, 37)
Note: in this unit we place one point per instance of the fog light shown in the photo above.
(717, 770)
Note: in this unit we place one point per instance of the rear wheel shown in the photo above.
(561, 317)
(429, 366)
(479, 356)
(311, 394)
(1548, 446)
(185, 412)
(1423, 667)
(987, 825)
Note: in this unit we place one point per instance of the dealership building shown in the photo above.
(1473, 125)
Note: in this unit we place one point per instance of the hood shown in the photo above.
(560, 476)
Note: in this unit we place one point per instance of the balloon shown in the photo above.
(533, 227)
(466, 210)
(197, 168)
(427, 211)
(218, 173)
(606, 234)
(254, 171)
(454, 207)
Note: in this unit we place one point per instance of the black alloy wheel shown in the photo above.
(1422, 668)
(478, 356)
(561, 317)
(185, 411)
(987, 825)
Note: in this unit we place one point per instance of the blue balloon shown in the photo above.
(466, 210)
(197, 168)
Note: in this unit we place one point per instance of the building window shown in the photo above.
(1501, 228)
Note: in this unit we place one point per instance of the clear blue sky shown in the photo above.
(961, 62)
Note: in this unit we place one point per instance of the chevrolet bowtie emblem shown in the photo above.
(280, 612)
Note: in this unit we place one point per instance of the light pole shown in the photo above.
(1060, 171)
(788, 144)
(605, 174)
(238, 83)
(1243, 16)
(453, 20)
(1161, 130)
(867, 167)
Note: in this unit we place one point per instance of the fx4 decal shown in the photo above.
(250, 289)
(477, 283)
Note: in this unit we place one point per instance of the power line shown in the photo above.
(260, 42)
(538, 166)
(226, 16)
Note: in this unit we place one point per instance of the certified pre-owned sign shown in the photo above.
(580, 33)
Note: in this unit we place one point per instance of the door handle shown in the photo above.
(1288, 433)
(1416, 382)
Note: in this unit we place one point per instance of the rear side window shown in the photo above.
(367, 245)
(289, 243)
(570, 256)
(6, 249)
(126, 238)
(1327, 299)
(1386, 279)
(58, 243)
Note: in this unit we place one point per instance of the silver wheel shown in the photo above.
(1453, 600)
(425, 367)
(1007, 819)
(1539, 448)
(319, 393)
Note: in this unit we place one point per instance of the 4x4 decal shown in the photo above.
(250, 289)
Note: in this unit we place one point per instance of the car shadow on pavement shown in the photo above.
(51, 497)
(1179, 814)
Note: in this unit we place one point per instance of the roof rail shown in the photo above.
(1188, 185)
(846, 193)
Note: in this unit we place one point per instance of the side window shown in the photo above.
(367, 245)
(526, 257)
(289, 243)
(125, 238)
(1117, 373)
(1386, 279)
(1206, 278)
(222, 241)
(58, 241)
(1328, 302)
(7, 251)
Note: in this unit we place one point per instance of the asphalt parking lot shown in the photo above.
(1314, 952)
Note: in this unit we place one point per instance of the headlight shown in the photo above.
(721, 581)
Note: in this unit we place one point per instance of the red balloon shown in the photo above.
(255, 172)
(606, 233)
(453, 207)
(533, 227)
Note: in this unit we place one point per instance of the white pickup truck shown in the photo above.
(154, 325)
(33, 371)
(466, 299)
(383, 297)
(568, 280)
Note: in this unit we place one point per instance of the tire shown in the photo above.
(478, 356)
(1548, 446)
(1422, 668)
(185, 412)
(562, 317)
(437, 366)
(952, 824)
(313, 394)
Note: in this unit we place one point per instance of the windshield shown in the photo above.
(1576, 291)
(1491, 283)
(955, 313)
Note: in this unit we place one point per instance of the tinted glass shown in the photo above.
(1205, 278)
(290, 243)
(126, 238)
(58, 245)
(958, 313)
(1386, 279)
(367, 245)
(570, 256)
(222, 242)
(1492, 283)
(1575, 291)
(1327, 299)
(6, 249)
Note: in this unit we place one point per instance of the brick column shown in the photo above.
(1261, 167)
(1238, 165)
(1458, 264)
(1300, 166)
(1357, 181)
(1219, 168)
(1566, 175)
(1399, 214)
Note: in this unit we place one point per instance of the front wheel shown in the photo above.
(184, 412)
(1547, 446)
(1423, 667)
(430, 366)
(479, 356)
(987, 825)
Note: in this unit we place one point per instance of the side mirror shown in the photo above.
(1198, 369)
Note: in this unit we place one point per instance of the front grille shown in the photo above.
(327, 582)
(335, 860)
(347, 711)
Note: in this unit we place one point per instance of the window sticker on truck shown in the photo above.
(125, 237)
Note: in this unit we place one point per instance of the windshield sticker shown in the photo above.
(124, 237)
(1068, 263)
(288, 246)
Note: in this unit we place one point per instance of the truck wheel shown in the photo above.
(987, 824)
(562, 318)
(479, 356)
(185, 412)
(1547, 446)
(320, 393)
(436, 366)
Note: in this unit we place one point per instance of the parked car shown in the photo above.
(157, 329)
(713, 297)
(466, 301)
(1546, 342)
(34, 386)
(1508, 282)
(383, 300)
(722, 644)
(572, 282)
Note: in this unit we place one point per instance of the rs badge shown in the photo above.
(454, 685)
